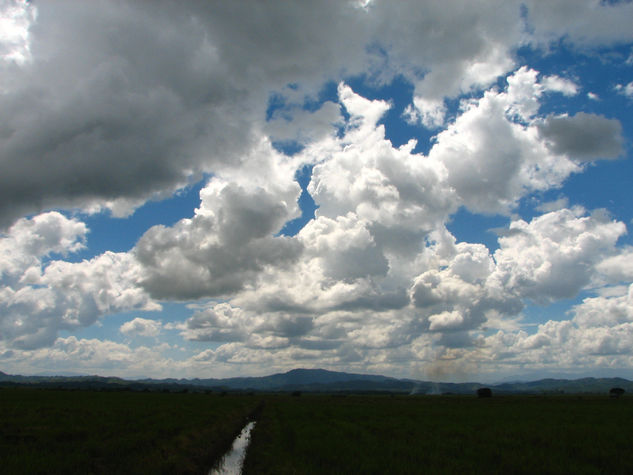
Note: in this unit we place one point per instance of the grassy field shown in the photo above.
(514, 434)
(47, 431)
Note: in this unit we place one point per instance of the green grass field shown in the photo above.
(383, 435)
(47, 431)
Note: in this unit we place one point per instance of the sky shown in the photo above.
(436, 190)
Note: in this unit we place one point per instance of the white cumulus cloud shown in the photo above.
(142, 327)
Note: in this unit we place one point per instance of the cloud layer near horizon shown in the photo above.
(137, 109)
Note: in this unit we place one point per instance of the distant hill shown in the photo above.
(572, 386)
(324, 381)
(300, 378)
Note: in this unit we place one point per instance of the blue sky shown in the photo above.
(424, 190)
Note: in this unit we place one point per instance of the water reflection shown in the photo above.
(231, 463)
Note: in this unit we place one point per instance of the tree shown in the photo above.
(615, 393)
(484, 392)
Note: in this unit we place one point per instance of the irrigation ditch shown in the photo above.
(229, 456)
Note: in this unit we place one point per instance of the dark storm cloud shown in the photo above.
(583, 136)
(123, 100)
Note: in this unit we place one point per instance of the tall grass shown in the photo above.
(324, 434)
(47, 431)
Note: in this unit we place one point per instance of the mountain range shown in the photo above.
(320, 381)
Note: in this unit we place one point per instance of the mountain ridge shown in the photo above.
(322, 381)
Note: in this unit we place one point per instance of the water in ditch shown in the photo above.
(231, 462)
